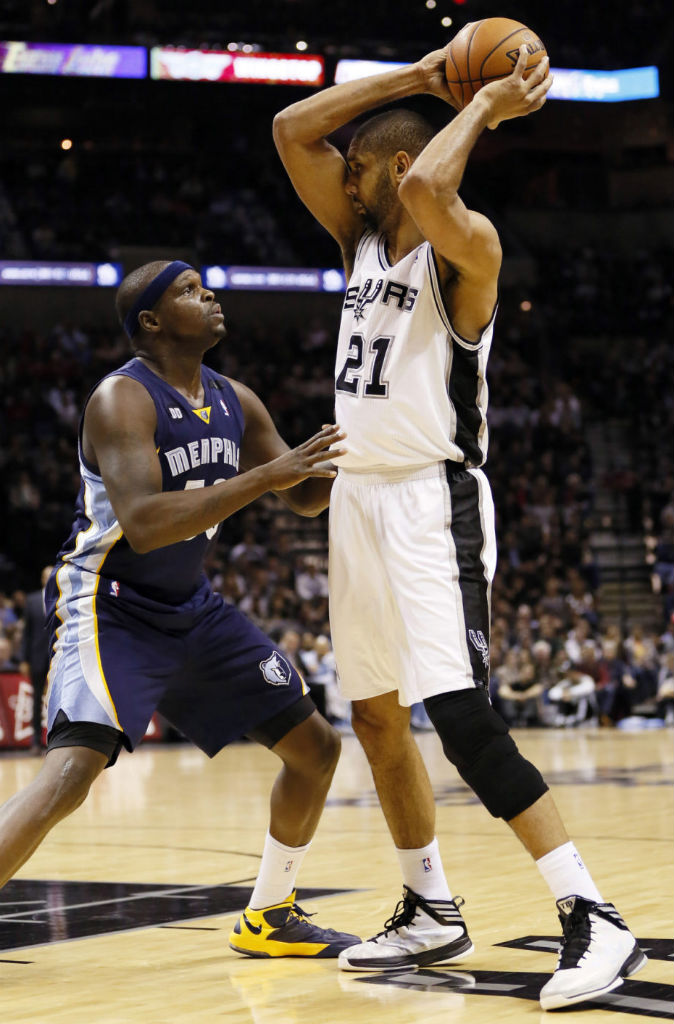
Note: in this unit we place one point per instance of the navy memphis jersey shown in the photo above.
(196, 448)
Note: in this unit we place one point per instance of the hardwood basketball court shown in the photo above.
(123, 915)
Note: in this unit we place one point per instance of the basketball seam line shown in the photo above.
(502, 41)
(458, 81)
(489, 78)
(470, 43)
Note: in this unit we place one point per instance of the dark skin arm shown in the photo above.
(118, 437)
(262, 443)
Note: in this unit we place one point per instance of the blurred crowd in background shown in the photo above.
(554, 661)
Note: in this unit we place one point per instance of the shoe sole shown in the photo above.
(635, 961)
(322, 954)
(449, 954)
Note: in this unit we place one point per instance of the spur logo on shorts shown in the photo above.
(275, 670)
(477, 639)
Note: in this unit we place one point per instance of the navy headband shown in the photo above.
(151, 295)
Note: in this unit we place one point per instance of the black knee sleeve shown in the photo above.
(476, 740)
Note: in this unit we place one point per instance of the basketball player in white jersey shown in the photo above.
(411, 516)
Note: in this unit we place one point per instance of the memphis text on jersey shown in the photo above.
(208, 450)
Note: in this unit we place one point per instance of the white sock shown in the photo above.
(566, 874)
(277, 874)
(423, 872)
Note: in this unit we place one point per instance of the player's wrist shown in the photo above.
(483, 107)
(406, 81)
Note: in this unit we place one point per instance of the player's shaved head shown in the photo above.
(134, 284)
(389, 133)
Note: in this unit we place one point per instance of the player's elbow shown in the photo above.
(139, 542)
(423, 185)
(282, 128)
(138, 536)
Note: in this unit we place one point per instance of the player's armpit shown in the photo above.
(262, 443)
(261, 440)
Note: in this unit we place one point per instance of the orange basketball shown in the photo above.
(486, 50)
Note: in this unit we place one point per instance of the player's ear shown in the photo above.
(148, 321)
(401, 164)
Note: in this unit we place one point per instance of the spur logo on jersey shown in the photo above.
(360, 297)
(200, 453)
(275, 670)
(477, 639)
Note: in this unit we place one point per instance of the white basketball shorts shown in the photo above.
(412, 558)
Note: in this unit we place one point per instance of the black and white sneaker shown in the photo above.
(598, 951)
(421, 933)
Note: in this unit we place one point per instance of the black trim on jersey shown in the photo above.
(463, 390)
(469, 541)
(442, 307)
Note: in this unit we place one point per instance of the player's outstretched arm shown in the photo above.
(262, 443)
(118, 439)
(466, 241)
(315, 167)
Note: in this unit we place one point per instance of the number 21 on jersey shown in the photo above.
(374, 353)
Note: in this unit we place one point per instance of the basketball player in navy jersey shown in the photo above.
(412, 540)
(168, 449)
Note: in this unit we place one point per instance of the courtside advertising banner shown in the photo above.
(177, 64)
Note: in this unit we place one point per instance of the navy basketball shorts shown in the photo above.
(118, 657)
(412, 558)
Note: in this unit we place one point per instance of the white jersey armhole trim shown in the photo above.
(442, 309)
(364, 238)
(381, 253)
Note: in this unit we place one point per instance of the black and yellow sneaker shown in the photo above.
(285, 930)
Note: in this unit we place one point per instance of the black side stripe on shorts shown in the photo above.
(469, 540)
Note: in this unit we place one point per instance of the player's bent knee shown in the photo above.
(476, 740)
(379, 725)
(312, 747)
(327, 745)
(68, 775)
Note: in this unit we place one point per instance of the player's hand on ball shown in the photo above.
(433, 70)
(516, 96)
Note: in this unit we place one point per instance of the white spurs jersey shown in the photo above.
(409, 389)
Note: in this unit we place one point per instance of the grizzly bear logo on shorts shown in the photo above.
(275, 670)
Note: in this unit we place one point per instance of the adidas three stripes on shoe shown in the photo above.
(598, 951)
(421, 933)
